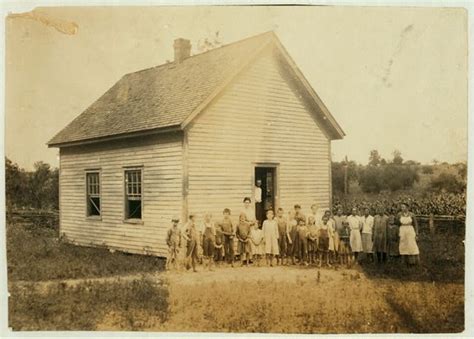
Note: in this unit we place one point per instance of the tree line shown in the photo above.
(38, 189)
(396, 174)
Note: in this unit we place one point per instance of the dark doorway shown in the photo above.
(267, 176)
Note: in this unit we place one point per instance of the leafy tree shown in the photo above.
(371, 179)
(379, 175)
(412, 163)
(36, 189)
(38, 185)
(447, 182)
(461, 169)
(397, 177)
(16, 183)
(337, 171)
(375, 159)
(427, 169)
(397, 157)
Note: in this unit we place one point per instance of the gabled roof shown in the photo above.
(168, 96)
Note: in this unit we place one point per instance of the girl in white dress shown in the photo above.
(332, 231)
(408, 232)
(355, 226)
(256, 243)
(270, 236)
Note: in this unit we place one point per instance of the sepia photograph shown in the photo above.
(236, 169)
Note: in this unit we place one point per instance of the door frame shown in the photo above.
(276, 180)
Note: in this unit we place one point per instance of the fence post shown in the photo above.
(432, 224)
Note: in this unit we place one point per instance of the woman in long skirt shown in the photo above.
(408, 233)
(355, 226)
(393, 235)
(380, 234)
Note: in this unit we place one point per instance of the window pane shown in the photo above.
(93, 194)
(134, 209)
(133, 205)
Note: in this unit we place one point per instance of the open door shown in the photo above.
(266, 177)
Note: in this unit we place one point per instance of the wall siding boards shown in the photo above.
(160, 156)
(259, 118)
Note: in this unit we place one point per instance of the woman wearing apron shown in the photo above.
(408, 233)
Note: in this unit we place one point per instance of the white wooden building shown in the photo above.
(192, 136)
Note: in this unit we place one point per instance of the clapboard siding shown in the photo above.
(161, 159)
(259, 118)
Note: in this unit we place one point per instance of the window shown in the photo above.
(93, 194)
(133, 194)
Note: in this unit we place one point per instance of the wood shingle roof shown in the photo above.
(160, 97)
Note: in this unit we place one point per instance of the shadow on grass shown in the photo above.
(429, 297)
(442, 259)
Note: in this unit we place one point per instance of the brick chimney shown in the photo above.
(182, 50)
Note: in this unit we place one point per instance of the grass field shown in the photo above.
(34, 254)
(364, 299)
(141, 303)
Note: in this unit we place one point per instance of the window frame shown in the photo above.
(127, 169)
(99, 176)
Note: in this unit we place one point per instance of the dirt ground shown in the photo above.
(288, 274)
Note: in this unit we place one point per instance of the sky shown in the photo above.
(394, 78)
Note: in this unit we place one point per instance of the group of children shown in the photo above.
(286, 239)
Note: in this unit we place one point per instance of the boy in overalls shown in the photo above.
(173, 240)
(228, 232)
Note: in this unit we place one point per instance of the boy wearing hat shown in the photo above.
(303, 241)
(284, 236)
(298, 214)
(243, 236)
(219, 244)
(228, 232)
(173, 240)
(313, 232)
(295, 220)
(192, 236)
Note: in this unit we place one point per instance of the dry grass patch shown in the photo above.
(342, 302)
(130, 305)
(428, 307)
